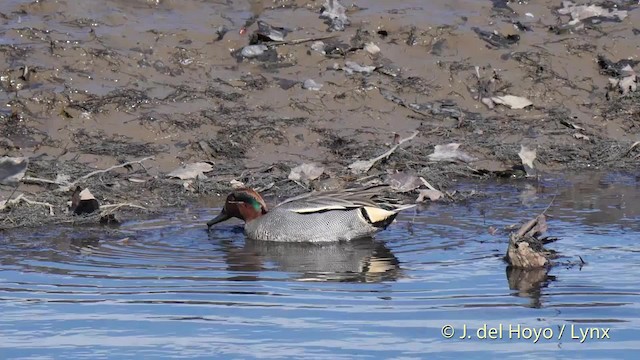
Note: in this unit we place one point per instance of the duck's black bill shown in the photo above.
(218, 219)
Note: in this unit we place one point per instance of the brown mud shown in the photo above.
(88, 85)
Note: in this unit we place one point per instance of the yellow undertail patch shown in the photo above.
(377, 215)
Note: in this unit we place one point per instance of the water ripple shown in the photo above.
(166, 288)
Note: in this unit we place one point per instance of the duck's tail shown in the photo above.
(381, 218)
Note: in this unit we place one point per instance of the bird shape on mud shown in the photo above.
(314, 217)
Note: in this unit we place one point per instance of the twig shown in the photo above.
(631, 148)
(265, 188)
(548, 206)
(14, 190)
(20, 198)
(65, 186)
(35, 180)
(300, 41)
(93, 173)
(426, 183)
(362, 166)
(115, 207)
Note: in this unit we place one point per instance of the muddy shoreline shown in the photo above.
(92, 86)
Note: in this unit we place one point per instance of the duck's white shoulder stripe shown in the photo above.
(312, 209)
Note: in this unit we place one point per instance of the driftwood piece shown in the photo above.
(526, 249)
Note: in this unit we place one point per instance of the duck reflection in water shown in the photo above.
(361, 260)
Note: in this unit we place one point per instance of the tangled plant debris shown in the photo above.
(76, 103)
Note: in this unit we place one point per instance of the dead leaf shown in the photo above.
(514, 102)
(86, 194)
(361, 166)
(371, 48)
(188, 185)
(12, 169)
(350, 67)
(430, 194)
(581, 136)
(235, 184)
(311, 84)
(404, 182)
(306, 172)
(449, 152)
(571, 125)
(191, 171)
(582, 12)
(527, 156)
(487, 101)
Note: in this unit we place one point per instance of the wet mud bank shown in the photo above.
(292, 96)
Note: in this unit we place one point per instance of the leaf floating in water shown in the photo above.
(450, 152)
(12, 169)
(306, 172)
(191, 171)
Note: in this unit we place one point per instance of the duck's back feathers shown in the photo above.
(327, 216)
(340, 200)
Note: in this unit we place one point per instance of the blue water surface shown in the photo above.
(165, 288)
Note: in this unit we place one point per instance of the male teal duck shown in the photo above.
(314, 217)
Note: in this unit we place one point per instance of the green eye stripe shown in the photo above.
(246, 198)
